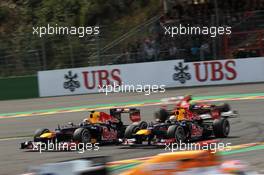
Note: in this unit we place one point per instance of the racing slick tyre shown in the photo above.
(82, 135)
(142, 125)
(130, 130)
(221, 128)
(162, 115)
(39, 132)
(177, 132)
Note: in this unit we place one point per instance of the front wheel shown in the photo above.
(82, 135)
(221, 128)
(177, 132)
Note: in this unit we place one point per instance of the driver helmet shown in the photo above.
(93, 118)
(180, 114)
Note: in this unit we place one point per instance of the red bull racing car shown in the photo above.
(185, 122)
(98, 127)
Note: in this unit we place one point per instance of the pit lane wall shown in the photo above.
(173, 73)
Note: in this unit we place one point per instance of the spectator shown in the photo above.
(204, 51)
(173, 51)
(149, 50)
(195, 53)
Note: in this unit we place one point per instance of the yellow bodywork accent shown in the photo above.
(47, 135)
(143, 132)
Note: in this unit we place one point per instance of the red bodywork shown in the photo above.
(105, 118)
(190, 115)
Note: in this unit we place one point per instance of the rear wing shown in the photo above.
(134, 113)
(230, 114)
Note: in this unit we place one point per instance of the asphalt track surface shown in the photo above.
(248, 128)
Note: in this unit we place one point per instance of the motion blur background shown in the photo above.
(130, 32)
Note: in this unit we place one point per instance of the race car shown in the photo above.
(87, 165)
(185, 122)
(200, 162)
(179, 163)
(98, 127)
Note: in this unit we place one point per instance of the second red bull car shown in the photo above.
(185, 122)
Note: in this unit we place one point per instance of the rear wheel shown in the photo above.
(82, 135)
(221, 128)
(177, 132)
(130, 130)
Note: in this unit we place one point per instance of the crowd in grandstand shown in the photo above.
(155, 46)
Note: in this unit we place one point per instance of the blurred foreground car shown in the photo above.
(187, 163)
(98, 127)
(85, 166)
(178, 163)
(186, 122)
